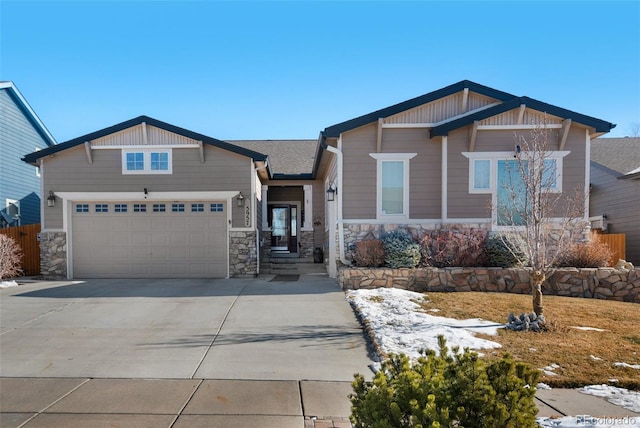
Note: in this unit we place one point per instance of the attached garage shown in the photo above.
(143, 239)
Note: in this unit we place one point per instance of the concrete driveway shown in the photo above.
(193, 353)
(181, 329)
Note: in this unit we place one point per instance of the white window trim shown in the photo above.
(397, 157)
(146, 152)
(494, 157)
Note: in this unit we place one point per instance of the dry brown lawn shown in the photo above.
(585, 357)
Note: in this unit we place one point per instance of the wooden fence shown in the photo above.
(616, 242)
(27, 238)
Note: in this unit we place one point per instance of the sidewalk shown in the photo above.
(176, 403)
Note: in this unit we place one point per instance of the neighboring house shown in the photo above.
(148, 199)
(21, 131)
(615, 190)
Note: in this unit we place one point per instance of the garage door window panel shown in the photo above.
(102, 208)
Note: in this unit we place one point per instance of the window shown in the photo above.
(120, 208)
(135, 161)
(82, 208)
(102, 208)
(393, 184)
(216, 208)
(498, 174)
(139, 208)
(177, 208)
(159, 208)
(197, 208)
(481, 174)
(147, 161)
(159, 161)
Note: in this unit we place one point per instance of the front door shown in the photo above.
(284, 228)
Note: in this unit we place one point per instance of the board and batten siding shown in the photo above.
(18, 180)
(619, 200)
(70, 171)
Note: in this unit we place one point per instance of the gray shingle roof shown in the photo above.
(619, 154)
(289, 157)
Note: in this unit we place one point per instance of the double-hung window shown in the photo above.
(146, 161)
(392, 194)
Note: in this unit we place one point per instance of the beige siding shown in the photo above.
(359, 196)
(619, 200)
(461, 204)
(69, 171)
(441, 109)
(359, 175)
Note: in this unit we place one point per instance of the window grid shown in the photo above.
(197, 208)
(82, 208)
(159, 208)
(217, 208)
(120, 208)
(139, 208)
(159, 161)
(135, 161)
(102, 208)
(177, 208)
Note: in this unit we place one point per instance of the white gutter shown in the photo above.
(338, 154)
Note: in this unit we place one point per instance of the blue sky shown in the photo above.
(272, 70)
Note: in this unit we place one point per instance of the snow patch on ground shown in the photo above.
(588, 328)
(7, 284)
(619, 396)
(628, 366)
(401, 326)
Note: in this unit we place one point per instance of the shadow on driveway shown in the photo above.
(170, 288)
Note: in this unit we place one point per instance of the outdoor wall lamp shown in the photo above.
(240, 200)
(146, 193)
(51, 200)
(517, 151)
(331, 193)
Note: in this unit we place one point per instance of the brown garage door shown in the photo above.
(149, 239)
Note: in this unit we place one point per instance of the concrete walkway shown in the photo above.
(191, 353)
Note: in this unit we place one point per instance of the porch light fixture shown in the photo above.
(331, 193)
(146, 193)
(240, 200)
(51, 200)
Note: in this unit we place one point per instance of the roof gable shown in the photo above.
(444, 118)
(28, 112)
(105, 135)
(335, 130)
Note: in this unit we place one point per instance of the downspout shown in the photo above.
(338, 154)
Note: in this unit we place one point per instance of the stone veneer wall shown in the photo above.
(601, 283)
(243, 256)
(306, 244)
(53, 255)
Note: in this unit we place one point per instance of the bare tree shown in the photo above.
(533, 208)
(634, 129)
(10, 258)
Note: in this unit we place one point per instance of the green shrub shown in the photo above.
(446, 391)
(591, 254)
(444, 248)
(400, 249)
(505, 252)
(369, 253)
